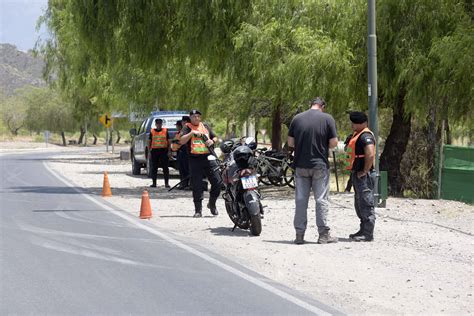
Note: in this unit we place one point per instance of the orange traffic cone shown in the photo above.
(145, 208)
(106, 187)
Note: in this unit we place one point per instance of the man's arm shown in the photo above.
(333, 143)
(291, 143)
(186, 135)
(212, 137)
(369, 155)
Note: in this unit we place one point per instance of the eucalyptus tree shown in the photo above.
(13, 112)
(412, 79)
(283, 56)
(71, 68)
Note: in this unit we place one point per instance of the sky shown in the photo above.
(18, 22)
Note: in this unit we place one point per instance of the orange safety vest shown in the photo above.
(351, 148)
(198, 145)
(175, 145)
(158, 139)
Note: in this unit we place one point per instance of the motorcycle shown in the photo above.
(241, 195)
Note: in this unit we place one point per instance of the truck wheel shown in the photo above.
(135, 166)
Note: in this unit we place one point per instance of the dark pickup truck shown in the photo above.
(139, 151)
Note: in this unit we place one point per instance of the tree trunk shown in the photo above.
(449, 137)
(276, 128)
(118, 137)
(257, 123)
(64, 139)
(81, 136)
(432, 142)
(395, 146)
(95, 139)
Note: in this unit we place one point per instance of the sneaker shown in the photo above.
(359, 233)
(326, 238)
(299, 239)
(197, 214)
(167, 186)
(153, 186)
(363, 238)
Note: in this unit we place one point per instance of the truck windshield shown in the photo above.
(170, 121)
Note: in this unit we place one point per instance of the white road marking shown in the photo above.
(198, 253)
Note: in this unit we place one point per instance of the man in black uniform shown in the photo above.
(199, 137)
(160, 152)
(361, 154)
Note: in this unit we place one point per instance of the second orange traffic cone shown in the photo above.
(145, 208)
(106, 187)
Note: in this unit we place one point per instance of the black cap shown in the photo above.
(158, 120)
(185, 119)
(194, 112)
(358, 117)
(180, 123)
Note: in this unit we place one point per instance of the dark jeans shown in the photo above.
(364, 201)
(183, 166)
(160, 159)
(200, 167)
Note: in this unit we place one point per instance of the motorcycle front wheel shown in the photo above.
(255, 225)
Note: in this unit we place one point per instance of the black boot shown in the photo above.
(197, 209)
(367, 232)
(358, 233)
(153, 184)
(212, 206)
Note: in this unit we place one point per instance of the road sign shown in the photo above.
(106, 120)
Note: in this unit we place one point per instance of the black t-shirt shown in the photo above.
(164, 150)
(187, 130)
(312, 131)
(364, 139)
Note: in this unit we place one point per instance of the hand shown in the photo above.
(361, 174)
(209, 142)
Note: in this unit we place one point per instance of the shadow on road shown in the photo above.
(227, 231)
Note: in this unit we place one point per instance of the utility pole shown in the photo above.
(372, 84)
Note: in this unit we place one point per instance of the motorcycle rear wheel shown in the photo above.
(255, 225)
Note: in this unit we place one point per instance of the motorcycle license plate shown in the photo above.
(249, 182)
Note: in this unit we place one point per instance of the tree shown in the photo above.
(407, 33)
(13, 111)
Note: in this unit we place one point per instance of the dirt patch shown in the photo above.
(420, 262)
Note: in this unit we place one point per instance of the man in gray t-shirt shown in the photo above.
(311, 134)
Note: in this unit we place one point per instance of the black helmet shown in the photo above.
(242, 155)
(226, 146)
(252, 145)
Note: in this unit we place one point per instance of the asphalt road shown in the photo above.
(63, 252)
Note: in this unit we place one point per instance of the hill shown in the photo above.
(18, 69)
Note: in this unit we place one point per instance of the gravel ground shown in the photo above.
(421, 261)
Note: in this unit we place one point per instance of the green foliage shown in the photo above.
(13, 112)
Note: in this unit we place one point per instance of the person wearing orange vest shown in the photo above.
(198, 138)
(159, 144)
(361, 154)
(181, 157)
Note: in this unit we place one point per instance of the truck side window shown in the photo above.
(142, 127)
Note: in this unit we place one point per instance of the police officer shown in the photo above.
(160, 153)
(199, 137)
(361, 155)
(181, 157)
